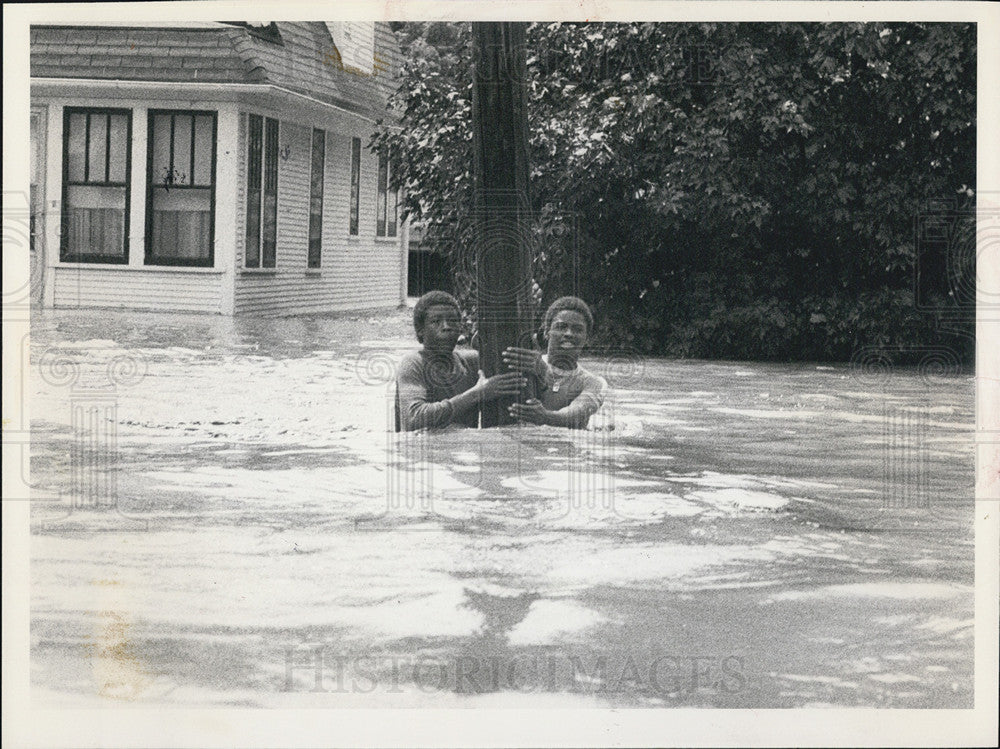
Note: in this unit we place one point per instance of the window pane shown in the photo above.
(75, 145)
(160, 168)
(98, 147)
(33, 169)
(255, 144)
(393, 212)
(253, 229)
(33, 149)
(203, 149)
(315, 232)
(271, 155)
(182, 224)
(318, 156)
(118, 155)
(182, 149)
(95, 220)
(269, 229)
(316, 218)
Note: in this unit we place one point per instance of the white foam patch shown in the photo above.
(549, 621)
(654, 506)
(745, 481)
(832, 681)
(893, 678)
(580, 478)
(651, 563)
(896, 591)
(440, 615)
(947, 625)
(741, 499)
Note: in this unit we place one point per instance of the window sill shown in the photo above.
(388, 240)
(314, 272)
(142, 268)
(258, 271)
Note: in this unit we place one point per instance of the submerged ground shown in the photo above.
(220, 517)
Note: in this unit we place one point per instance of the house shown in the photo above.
(214, 167)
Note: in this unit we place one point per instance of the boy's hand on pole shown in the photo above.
(497, 386)
(531, 411)
(524, 360)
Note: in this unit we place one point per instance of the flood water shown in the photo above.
(220, 517)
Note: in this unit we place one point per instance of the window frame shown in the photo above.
(354, 200)
(265, 165)
(65, 256)
(384, 192)
(314, 261)
(151, 259)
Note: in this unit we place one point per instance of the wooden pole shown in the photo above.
(502, 224)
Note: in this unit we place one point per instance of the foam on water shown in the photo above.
(894, 589)
(740, 499)
(551, 621)
(665, 563)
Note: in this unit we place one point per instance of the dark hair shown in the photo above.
(428, 300)
(573, 303)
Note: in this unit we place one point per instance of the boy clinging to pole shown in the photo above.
(570, 394)
(437, 385)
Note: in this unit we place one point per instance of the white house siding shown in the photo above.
(360, 272)
(136, 285)
(138, 288)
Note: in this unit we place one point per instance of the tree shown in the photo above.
(743, 190)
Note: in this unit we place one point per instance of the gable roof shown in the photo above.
(301, 57)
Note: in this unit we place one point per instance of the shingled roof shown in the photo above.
(301, 58)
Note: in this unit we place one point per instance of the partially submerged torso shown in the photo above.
(564, 387)
(423, 383)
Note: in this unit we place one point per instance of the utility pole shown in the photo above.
(502, 233)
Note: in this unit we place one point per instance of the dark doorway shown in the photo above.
(428, 270)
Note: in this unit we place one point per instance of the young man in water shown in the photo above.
(570, 394)
(437, 385)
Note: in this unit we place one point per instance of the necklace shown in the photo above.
(558, 376)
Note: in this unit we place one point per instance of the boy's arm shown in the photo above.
(419, 412)
(574, 416)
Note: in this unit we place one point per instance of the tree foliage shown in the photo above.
(741, 190)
